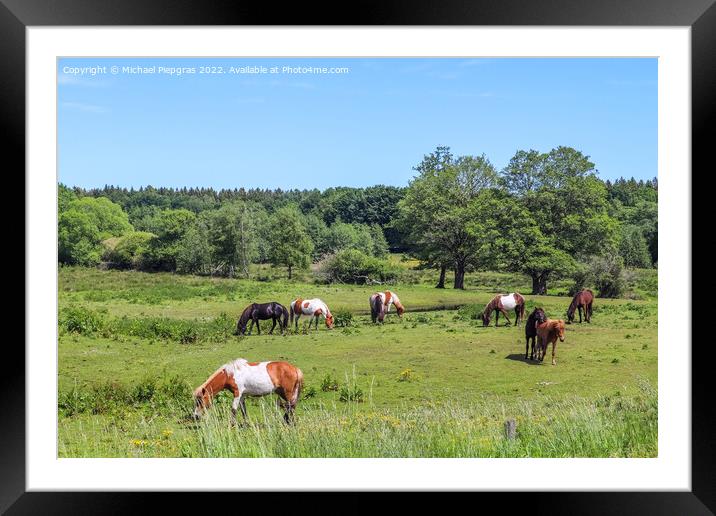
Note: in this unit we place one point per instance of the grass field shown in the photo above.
(434, 383)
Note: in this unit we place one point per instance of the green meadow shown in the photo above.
(433, 383)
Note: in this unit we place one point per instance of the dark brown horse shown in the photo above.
(582, 300)
(536, 317)
(262, 311)
(500, 304)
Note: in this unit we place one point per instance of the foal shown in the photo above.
(536, 317)
(549, 331)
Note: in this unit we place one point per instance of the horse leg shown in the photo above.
(506, 316)
(316, 317)
(298, 315)
(580, 313)
(554, 347)
(238, 402)
(258, 326)
(517, 315)
(272, 327)
(251, 327)
(527, 346)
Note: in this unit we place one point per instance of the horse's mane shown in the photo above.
(245, 315)
(491, 305)
(231, 367)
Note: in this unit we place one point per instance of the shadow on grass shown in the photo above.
(519, 357)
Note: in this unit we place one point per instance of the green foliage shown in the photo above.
(328, 383)
(342, 318)
(607, 275)
(84, 224)
(633, 247)
(169, 226)
(80, 320)
(290, 245)
(129, 250)
(353, 266)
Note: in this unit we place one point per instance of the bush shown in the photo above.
(329, 383)
(81, 320)
(128, 251)
(608, 275)
(343, 318)
(353, 266)
(582, 275)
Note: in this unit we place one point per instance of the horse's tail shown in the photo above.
(291, 311)
(284, 316)
(376, 308)
(299, 385)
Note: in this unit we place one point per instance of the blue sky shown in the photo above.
(368, 126)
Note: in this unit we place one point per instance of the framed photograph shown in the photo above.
(417, 253)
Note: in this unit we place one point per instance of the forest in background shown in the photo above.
(545, 215)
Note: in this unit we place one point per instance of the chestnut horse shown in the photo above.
(244, 378)
(262, 311)
(501, 304)
(311, 307)
(536, 317)
(581, 300)
(549, 331)
(380, 305)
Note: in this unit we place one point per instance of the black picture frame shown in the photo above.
(699, 15)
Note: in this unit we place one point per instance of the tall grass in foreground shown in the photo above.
(609, 426)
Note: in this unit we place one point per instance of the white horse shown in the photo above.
(313, 308)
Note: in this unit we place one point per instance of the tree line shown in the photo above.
(546, 215)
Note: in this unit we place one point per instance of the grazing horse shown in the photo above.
(262, 311)
(244, 378)
(501, 304)
(536, 317)
(549, 331)
(380, 305)
(581, 300)
(311, 307)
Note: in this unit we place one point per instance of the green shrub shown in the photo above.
(81, 320)
(128, 251)
(350, 393)
(353, 266)
(343, 318)
(329, 383)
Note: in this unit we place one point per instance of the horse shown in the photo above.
(502, 303)
(311, 307)
(262, 311)
(380, 305)
(244, 378)
(536, 317)
(581, 300)
(549, 331)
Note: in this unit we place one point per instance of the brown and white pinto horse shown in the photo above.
(380, 305)
(581, 300)
(244, 378)
(311, 307)
(549, 331)
(501, 304)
